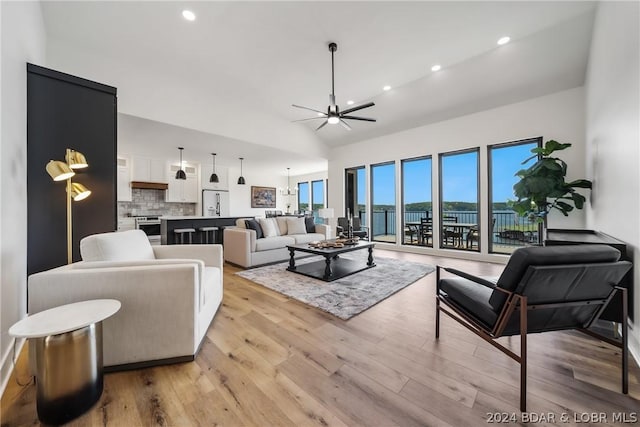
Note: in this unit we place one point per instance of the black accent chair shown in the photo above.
(359, 230)
(541, 289)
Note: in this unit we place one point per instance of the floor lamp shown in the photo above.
(63, 171)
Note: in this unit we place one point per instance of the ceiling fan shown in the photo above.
(334, 115)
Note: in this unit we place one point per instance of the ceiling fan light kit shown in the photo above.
(333, 115)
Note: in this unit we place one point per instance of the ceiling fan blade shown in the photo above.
(322, 125)
(310, 118)
(345, 125)
(364, 119)
(359, 107)
(307, 108)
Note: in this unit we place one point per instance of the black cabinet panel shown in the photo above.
(583, 237)
(65, 111)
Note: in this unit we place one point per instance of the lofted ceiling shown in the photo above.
(235, 71)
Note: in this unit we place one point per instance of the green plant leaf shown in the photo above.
(580, 183)
(578, 200)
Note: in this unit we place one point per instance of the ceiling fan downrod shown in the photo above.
(332, 99)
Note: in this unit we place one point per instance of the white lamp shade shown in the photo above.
(325, 213)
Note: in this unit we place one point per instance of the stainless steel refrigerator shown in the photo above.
(215, 203)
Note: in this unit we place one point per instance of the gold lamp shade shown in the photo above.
(79, 192)
(59, 171)
(76, 159)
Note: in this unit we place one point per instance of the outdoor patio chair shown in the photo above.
(451, 236)
(413, 232)
(426, 231)
(474, 235)
(541, 289)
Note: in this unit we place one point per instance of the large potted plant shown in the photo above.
(542, 186)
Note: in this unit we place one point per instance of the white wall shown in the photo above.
(559, 116)
(23, 40)
(613, 138)
(240, 195)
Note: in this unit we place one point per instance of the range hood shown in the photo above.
(149, 185)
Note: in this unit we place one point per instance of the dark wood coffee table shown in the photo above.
(332, 267)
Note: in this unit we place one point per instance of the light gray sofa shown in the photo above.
(241, 247)
(169, 295)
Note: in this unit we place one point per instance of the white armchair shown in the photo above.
(169, 295)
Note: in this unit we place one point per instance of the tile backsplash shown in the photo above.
(151, 202)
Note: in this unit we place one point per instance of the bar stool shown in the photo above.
(180, 232)
(204, 231)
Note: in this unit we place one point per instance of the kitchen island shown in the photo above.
(170, 223)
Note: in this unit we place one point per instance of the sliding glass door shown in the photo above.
(508, 231)
(416, 202)
(383, 202)
(356, 193)
(459, 216)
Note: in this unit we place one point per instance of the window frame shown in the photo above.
(402, 204)
(371, 200)
(441, 156)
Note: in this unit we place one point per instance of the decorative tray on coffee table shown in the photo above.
(337, 243)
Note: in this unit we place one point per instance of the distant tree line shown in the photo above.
(447, 206)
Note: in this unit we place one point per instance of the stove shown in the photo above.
(150, 224)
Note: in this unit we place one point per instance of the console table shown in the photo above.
(68, 354)
(557, 236)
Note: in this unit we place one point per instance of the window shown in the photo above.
(459, 225)
(317, 194)
(383, 202)
(508, 230)
(416, 202)
(303, 196)
(356, 194)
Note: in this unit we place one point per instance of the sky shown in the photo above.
(460, 177)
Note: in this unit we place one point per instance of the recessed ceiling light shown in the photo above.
(188, 15)
(504, 40)
(320, 114)
(387, 87)
(350, 102)
(436, 67)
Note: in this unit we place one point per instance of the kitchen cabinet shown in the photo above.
(183, 190)
(125, 224)
(124, 179)
(148, 170)
(223, 178)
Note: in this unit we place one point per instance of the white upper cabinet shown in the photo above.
(148, 170)
(124, 179)
(223, 178)
(182, 190)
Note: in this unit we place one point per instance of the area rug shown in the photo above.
(346, 297)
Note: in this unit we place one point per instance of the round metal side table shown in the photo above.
(68, 354)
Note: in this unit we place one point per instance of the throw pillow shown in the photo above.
(310, 224)
(269, 228)
(252, 224)
(296, 226)
(282, 225)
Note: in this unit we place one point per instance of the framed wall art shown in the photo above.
(263, 197)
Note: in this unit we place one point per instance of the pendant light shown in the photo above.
(214, 175)
(289, 191)
(241, 180)
(180, 174)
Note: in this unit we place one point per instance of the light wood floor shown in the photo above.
(271, 361)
